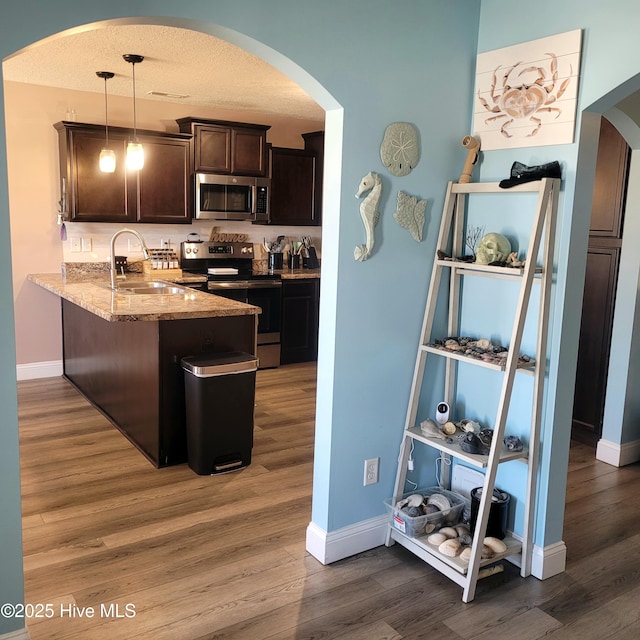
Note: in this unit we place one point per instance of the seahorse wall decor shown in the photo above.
(368, 212)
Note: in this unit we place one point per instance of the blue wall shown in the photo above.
(11, 582)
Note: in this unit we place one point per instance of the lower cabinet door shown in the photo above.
(300, 307)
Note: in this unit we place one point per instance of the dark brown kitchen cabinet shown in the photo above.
(227, 147)
(131, 371)
(163, 183)
(158, 193)
(300, 317)
(601, 279)
(314, 142)
(293, 180)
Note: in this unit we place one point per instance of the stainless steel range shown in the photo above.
(229, 270)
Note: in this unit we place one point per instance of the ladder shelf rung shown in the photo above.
(525, 367)
(454, 450)
(471, 268)
(432, 556)
(494, 187)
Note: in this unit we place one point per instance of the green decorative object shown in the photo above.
(400, 148)
(410, 214)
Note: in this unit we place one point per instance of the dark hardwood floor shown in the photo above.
(204, 558)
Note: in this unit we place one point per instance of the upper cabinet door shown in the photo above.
(293, 187)
(163, 185)
(91, 194)
(213, 149)
(249, 152)
(610, 184)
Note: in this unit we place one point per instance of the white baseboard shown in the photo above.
(35, 370)
(616, 454)
(20, 634)
(547, 562)
(356, 538)
(362, 536)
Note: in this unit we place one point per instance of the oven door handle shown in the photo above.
(245, 284)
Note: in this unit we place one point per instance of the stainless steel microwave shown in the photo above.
(231, 198)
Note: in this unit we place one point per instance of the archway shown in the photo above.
(333, 142)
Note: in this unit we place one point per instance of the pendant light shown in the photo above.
(107, 156)
(135, 152)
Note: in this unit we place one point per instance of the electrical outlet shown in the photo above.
(371, 471)
(76, 246)
(86, 244)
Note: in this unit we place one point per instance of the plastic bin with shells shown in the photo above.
(425, 511)
(437, 514)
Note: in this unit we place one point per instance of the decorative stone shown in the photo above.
(449, 428)
(430, 429)
(513, 443)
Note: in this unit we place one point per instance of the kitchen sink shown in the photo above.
(150, 288)
(158, 291)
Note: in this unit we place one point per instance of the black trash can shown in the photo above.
(219, 398)
(498, 512)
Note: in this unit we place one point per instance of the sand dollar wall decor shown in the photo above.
(400, 148)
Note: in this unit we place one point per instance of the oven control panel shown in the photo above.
(215, 250)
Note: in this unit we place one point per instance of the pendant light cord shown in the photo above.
(106, 114)
(135, 134)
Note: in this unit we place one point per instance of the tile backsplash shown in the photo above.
(90, 242)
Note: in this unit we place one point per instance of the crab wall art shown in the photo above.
(526, 94)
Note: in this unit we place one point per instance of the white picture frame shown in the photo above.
(526, 95)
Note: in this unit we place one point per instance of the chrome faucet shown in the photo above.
(145, 251)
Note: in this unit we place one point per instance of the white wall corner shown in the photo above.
(34, 370)
(348, 541)
(547, 562)
(20, 634)
(616, 454)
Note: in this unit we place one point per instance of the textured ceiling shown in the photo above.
(209, 71)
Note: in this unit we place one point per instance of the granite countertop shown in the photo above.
(93, 293)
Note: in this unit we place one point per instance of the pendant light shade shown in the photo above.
(135, 152)
(107, 156)
(107, 161)
(135, 156)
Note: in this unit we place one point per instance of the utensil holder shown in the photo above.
(275, 261)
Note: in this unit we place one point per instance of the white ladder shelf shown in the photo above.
(451, 235)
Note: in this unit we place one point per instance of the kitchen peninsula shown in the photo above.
(123, 352)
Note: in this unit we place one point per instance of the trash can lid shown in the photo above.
(498, 496)
(218, 364)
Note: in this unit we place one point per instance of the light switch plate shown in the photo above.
(464, 479)
(86, 244)
(76, 246)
